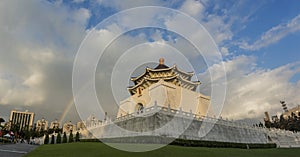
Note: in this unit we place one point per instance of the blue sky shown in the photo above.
(250, 20)
(266, 17)
(259, 42)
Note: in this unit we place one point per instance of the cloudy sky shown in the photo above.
(258, 40)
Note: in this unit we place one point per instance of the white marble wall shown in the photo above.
(182, 127)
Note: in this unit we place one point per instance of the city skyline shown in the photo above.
(257, 39)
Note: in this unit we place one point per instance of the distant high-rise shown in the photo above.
(21, 120)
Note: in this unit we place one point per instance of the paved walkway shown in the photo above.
(15, 150)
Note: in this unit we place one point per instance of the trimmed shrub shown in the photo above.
(52, 139)
(46, 141)
(58, 138)
(77, 137)
(71, 138)
(216, 144)
(65, 138)
(90, 140)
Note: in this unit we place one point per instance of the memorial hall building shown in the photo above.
(167, 87)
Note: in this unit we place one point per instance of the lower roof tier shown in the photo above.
(176, 80)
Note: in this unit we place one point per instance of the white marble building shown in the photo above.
(54, 124)
(69, 127)
(167, 87)
(41, 125)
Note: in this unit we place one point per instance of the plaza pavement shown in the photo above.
(15, 150)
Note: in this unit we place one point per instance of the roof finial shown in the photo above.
(161, 61)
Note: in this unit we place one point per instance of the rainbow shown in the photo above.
(66, 110)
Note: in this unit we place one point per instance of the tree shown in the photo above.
(268, 124)
(71, 137)
(15, 127)
(1, 121)
(64, 138)
(58, 138)
(77, 137)
(46, 141)
(27, 134)
(50, 131)
(52, 139)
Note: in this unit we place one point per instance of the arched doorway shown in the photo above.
(139, 108)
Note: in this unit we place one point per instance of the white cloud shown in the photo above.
(127, 4)
(38, 43)
(219, 26)
(39, 40)
(192, 7)
(273, 35)
(252, 90)
(78, 1)
(224, 51)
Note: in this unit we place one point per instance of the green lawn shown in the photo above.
(89, 149)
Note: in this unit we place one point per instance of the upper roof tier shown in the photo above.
(163, 72)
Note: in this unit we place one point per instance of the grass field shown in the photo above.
(91, 149)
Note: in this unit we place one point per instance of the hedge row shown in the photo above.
(90, 140)
(215, 144)
(5, 140)
(196, 143)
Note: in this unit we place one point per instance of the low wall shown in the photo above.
(170, 126)
(284, 138)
